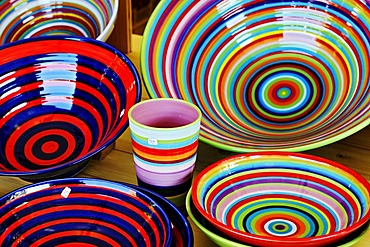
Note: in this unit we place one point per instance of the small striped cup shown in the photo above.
(164, 134)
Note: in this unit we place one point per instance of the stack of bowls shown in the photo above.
(82, 212)
(62, 100)
(280, 199)
(22, 19)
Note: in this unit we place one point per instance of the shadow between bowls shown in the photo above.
(182, 234)
(66, 172)
(221, 240)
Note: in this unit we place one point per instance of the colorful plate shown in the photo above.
(267, 75)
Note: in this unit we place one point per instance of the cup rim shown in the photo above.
(191, 105)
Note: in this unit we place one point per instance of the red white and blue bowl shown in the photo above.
(63, 99)
(282, 199)
(82, 212)
(22, 19)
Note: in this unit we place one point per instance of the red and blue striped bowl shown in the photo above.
(282, 199)
(22, 19)
(182, 234)
(82, 212)
(62, 100)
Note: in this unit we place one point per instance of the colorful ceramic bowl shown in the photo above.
(63, 99)
(282, 199)
(267, 75)
(221, 240)
(182, 234)
(82, 212)
(21, 19)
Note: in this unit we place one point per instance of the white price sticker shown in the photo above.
(153, 142)
(66, 191)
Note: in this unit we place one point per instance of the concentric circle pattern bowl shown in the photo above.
(62, 100)
(21, 19)
(267, 75)
(222, 240)
(282, 199)
(82, 212)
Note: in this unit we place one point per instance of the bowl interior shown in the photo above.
(267, 75)
(282, 197)
(25, 19)
(223, 240)
(62, 100)
(82, 211)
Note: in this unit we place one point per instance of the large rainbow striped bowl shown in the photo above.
(267, 75)
(62, 100)
(21, 19)
(282, 199)
(82, 212)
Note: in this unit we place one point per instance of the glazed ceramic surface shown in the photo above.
(62, 100)
(81, 212)
(164, 135)
(182, 234)
(267, 75)
(221, 240)
(284, 199)
(21, 19)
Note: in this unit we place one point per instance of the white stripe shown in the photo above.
(165, 133)
(166, 168)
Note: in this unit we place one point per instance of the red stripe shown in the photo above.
(69, 220)
(74, 233)
(75, 244)
(166, 152)
(29, 145)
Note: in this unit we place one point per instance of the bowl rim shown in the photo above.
(104, 35)
(96, 182)
(204, 229)
(170, 100)
(252, 238)
(119, 54)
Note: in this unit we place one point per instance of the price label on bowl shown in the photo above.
(153, 142)
(65, 192)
